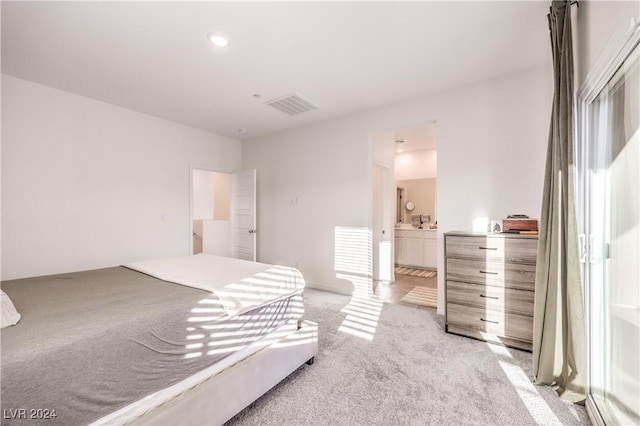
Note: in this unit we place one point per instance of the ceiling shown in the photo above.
(416, 138)
(344, 57)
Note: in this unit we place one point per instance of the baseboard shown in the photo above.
(331, 289)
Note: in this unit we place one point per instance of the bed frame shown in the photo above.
(222, 396)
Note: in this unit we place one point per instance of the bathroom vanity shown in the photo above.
(416, 247)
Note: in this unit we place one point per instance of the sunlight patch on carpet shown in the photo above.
(362, 317)
(537, 407)
(363, 310)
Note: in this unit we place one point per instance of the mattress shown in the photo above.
(238, 284)
(91, 343)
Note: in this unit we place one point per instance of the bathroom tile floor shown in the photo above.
(403, 285)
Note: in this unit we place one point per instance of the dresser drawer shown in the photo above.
(521, 276)
(491, 298)
(492, 248)
(502, 324)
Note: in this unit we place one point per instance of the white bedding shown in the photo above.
(10, 315)
(240, 285)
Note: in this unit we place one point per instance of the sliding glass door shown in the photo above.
(611, 211)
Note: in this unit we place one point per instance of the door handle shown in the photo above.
(582, 247)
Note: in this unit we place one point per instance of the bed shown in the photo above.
(190, 340)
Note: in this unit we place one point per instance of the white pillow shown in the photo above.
(9, 314)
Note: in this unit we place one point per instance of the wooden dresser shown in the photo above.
(490, 283)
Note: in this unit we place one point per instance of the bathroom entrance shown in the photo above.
(210, 212)
(414, 242)
(223, 213)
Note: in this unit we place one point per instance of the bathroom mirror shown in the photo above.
(422, 193)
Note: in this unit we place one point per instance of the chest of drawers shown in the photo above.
(490, 284)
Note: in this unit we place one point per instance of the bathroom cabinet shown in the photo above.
(416, 247)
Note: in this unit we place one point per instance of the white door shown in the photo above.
(243, 215)
(382, 225)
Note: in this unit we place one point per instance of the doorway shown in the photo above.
(223, 213)
(210, 212)
(412, 238)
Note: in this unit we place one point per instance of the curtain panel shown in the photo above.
(559, 345)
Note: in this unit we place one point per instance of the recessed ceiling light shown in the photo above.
(400, 141)
(399, 150)
(257, 95)
(218, 40)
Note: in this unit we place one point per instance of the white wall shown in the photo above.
(416, 165)
(599, 22)
(222, 196)
(203, 200)
(86, 184)
(492, 141)
(216, 237)
(310, 181)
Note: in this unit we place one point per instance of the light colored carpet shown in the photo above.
(415, 272)
(424, 296)
(401, 368)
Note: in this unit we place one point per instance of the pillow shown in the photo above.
(9, 314)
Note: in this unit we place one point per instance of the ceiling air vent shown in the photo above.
(292, 104)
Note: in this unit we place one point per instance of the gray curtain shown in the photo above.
(559, 345)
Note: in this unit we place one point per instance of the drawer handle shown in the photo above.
(492, 322)
(487, 248)
(489, 297)
(488, 272)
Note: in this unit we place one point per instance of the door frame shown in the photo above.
(384, 195)
(620, 46)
